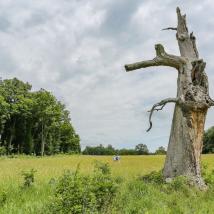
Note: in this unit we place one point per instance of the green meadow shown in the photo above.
(15, 199)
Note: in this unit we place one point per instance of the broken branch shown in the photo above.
(211, 102)
(193, 39)
(162, 103)
(170, 28)
(182, 25)
(162, 59)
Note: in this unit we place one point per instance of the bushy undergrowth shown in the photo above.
(102, 193)
(99, 193)
(3, 197)
(208, 175)
(14, 199)
(151, 194)
(153, 177)
(3, 150)
(28, 177)
(76, 193)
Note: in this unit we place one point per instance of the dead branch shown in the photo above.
(162, 103)
(211, 102)
(170, 28)
(182, 25)
(162, 59)
(193, 39)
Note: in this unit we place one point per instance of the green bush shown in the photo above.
(153, 177)
(28, 177)
(104, 168)
(179, 183)
(208, 175)
(73, 195)
(209, 178)
(3, 197)
(151, 194)
(3, 150)
(76, 193)
(104, 186)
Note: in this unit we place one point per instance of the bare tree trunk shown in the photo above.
(1, 132)
(43, 140)
(12, 134)
(185, 145)
(10, 144)
(191, 104)
(186, 138)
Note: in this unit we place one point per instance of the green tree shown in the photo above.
(16, 94)
(53, 124)
(142, 149)
(4, 114)
(160, 151)
(46, 112)
(34, 122)
(208, 144)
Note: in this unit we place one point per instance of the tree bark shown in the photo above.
(43, 140)
(12, 134)
(186, 138)
(191, 104)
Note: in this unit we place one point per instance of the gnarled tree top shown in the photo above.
(193, 85)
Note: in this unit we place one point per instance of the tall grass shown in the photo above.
(53, 166)
(135, 196)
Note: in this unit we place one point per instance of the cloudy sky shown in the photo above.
(77, 50)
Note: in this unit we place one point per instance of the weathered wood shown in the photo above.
(162, 59)
(170, 28)
(191, 104)
(162, 103)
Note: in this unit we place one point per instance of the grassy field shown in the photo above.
(52, 167)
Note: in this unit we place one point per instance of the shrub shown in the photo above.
(153, 177)
(28, 177)
(208, 175)
(104, 186)
(150, 194)
(73, 195)
(3, 150)
(209, 178)
(104, 168)
(3, 197)
(76, 193)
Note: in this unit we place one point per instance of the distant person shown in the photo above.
(116, 158)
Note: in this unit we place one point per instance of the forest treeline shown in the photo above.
(140, 149)
(208, 145)
(34, 122)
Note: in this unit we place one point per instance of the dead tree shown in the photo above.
(191, 104)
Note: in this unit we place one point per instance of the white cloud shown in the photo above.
(77, 49)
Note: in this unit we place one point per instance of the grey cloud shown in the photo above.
(118, 17)
(4, 24)
(37, 18)
(77, 49)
